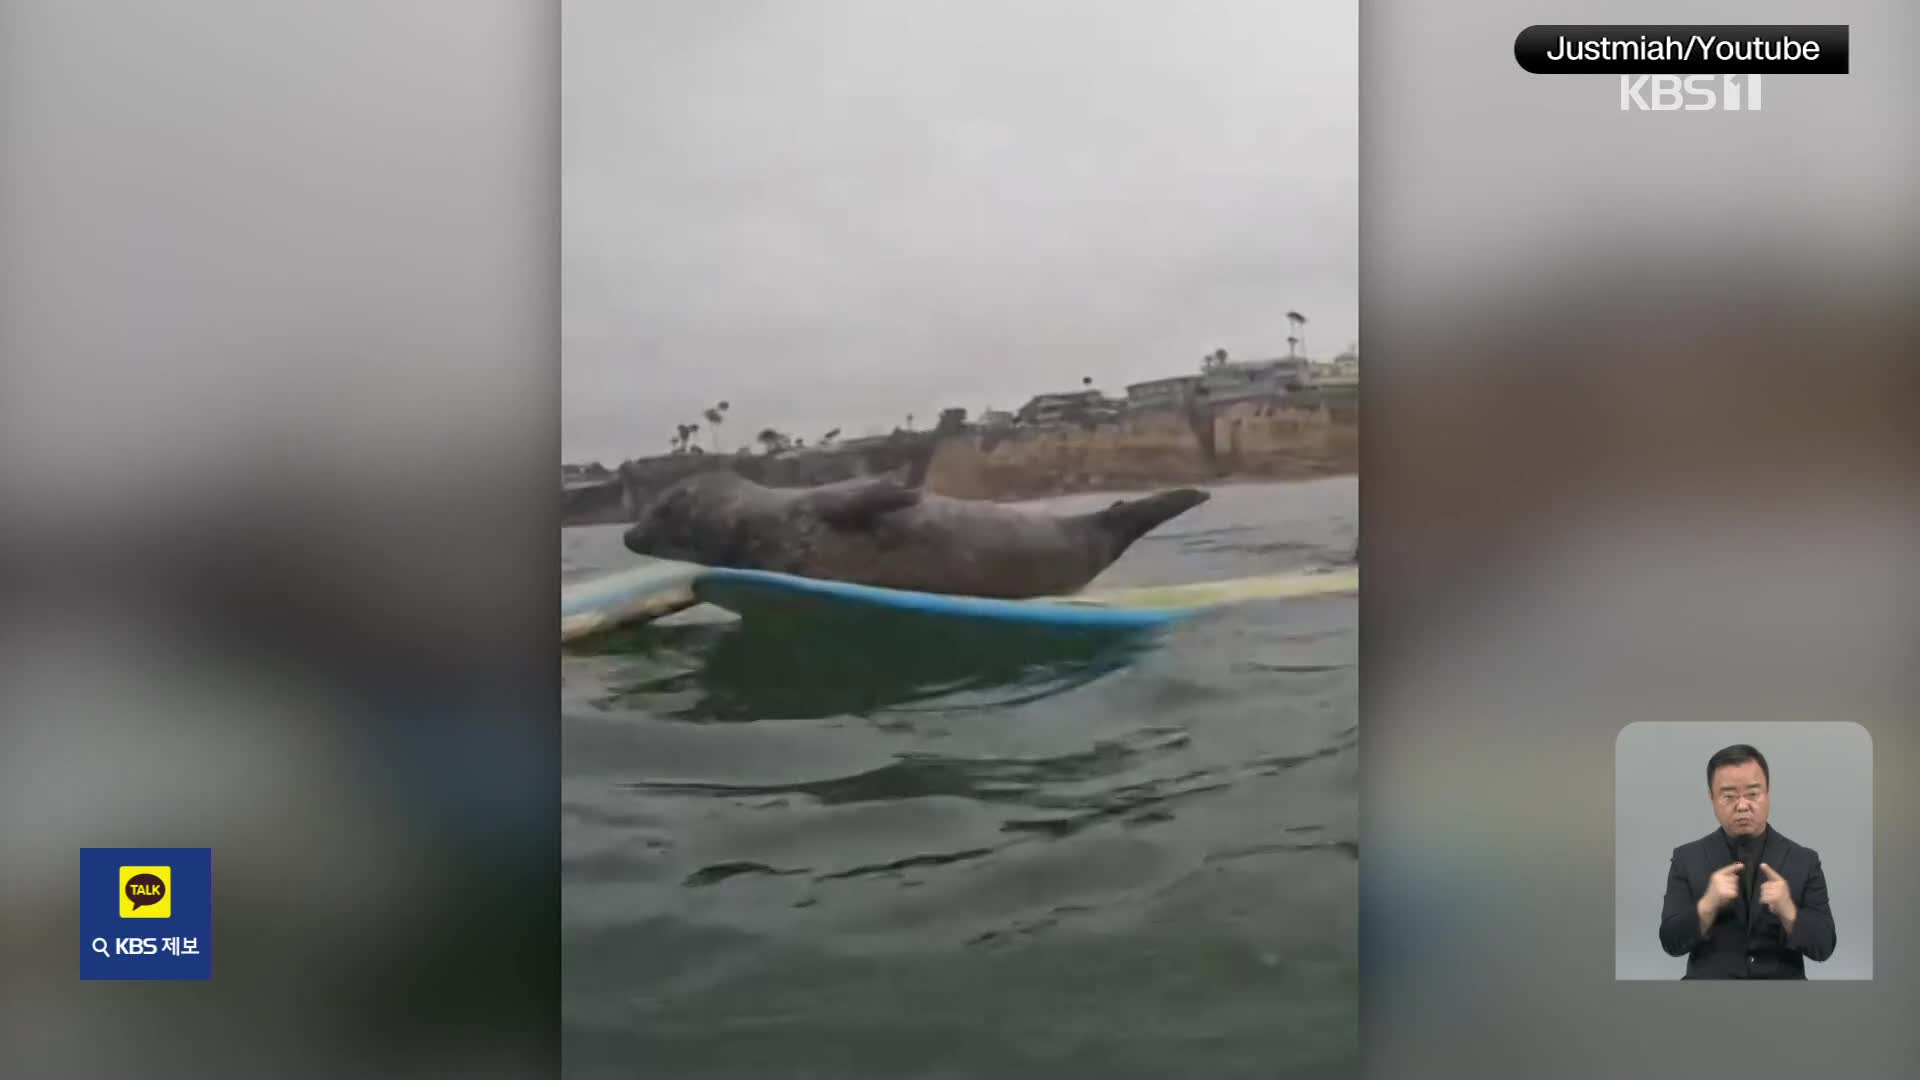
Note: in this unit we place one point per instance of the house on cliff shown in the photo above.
(1341, 371)
(1172, 392)
(591, 472)
(1065, 408)
(1254, 380)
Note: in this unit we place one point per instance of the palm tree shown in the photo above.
(909, 421)
(716, 416)
(1299, 322)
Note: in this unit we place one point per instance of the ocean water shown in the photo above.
(848, 851)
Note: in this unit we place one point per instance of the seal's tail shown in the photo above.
(1130, 519)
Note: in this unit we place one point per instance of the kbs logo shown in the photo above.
(1689, 93)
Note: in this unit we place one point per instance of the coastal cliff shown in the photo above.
(1153, 449)
(1304, 436)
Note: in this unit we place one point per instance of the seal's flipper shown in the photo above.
(855, 504)
(1131, 519)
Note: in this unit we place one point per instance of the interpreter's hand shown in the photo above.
(1775, 897)
(1723, 887)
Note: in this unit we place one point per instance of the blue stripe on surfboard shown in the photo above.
(649, 590)
(714, 581)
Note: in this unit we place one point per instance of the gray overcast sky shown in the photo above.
(833, 213)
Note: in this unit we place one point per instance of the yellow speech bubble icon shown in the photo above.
(146, 892)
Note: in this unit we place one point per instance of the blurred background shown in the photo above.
(1641, 448)
(278, 416)
(278, 387)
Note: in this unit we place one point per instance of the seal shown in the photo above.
(878, 531)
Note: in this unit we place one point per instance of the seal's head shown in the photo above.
(687, 520)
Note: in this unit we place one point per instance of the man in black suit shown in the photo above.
(1744, 902)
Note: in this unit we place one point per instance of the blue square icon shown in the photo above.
(146, 913)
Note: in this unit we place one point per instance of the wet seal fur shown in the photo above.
(879, 531)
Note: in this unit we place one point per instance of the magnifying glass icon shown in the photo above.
(100, 946)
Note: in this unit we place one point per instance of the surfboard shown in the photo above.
(638, 594)
(751, 592)
(654, 590)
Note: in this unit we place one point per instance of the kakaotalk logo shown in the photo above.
(146, 892)
(1685, 68)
